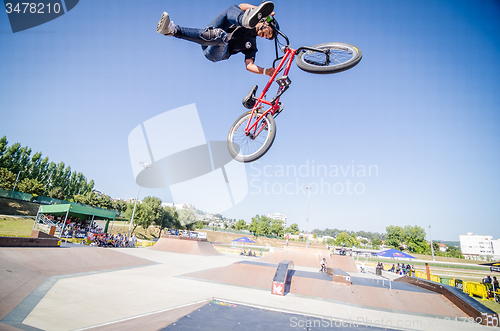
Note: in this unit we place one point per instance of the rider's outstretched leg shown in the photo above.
(165, 25)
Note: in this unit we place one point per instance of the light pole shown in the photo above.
(147, 166)
(16, 180)
(308, 188)
(432, 247)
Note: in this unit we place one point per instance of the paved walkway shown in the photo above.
(152, 296)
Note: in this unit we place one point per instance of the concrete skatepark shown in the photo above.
(164, 287)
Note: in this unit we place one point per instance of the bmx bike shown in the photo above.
(253, 133)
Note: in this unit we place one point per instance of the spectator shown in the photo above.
(487, 280)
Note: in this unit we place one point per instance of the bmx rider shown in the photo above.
(233, 31)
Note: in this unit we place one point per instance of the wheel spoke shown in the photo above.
(248, 145)
(333, 58)
(337, 56)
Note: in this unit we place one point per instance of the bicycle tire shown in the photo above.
(239, 144)
(342, 57)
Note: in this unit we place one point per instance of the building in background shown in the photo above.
(479, 247)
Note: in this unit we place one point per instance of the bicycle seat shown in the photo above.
(249, 99)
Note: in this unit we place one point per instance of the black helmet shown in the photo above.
(274, 25)
(270, 22)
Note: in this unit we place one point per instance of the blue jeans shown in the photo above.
(214, 49)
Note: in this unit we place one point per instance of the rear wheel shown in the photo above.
(340, 57)
(251, 147)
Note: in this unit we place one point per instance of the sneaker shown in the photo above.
(166, 26)
(252, 16)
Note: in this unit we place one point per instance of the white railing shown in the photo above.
(43, 223)
(381, 278)
(45, 220)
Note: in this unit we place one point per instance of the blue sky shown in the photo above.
(421, 108)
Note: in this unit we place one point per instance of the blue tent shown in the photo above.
(244, 240)
(395, 253)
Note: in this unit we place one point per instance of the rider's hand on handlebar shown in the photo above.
(269, 71)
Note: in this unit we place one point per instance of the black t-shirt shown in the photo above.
(242, 40)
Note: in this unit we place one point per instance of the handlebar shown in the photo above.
(275, 26)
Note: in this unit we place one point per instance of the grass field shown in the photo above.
(490, 304)
(16, 226)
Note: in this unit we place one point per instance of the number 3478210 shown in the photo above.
(33, 8)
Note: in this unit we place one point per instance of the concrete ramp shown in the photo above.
(301, 257)
(185, 245)
(346, 263)
(255, 275)
(319, 285)
(24, 269)
(311, 258)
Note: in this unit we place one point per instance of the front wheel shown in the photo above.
(251, 146)
(340, 57)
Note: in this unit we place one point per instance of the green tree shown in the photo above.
(293, 229)
(10, 158)
(7, 179)
(435, 245)
(31, 186)
(263, 228)
(141, 217)
(414, 237)
(200, 225)
(147, 212)
(89, 198)
(277, 228)
(261, 225)
(119, 205)
(24, 162)
(241, 225)
(167, 217)
(88, 187)
(395, 236)
(453, 251)
(18, 160)
(104, 201)
(354, 240)
(43, 174)
(376, 243)
(253, 227)
(3, 147)
(343, 239)
(57, 193)
(35, 166)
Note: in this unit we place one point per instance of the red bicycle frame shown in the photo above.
(253, 129)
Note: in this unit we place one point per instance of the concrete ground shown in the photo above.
(153, 294)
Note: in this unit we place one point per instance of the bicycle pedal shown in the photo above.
(283, 81)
